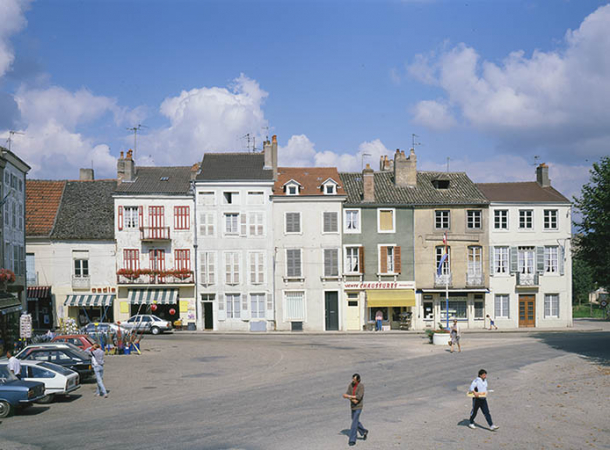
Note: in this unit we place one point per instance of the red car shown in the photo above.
(82, 341)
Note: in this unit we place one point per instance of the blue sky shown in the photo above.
(489, 84)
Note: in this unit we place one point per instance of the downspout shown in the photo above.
(196, 258)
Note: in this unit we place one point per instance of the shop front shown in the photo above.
(163, 303)
(90, 308)
(465, 306)
(40, 307)
(10, 307)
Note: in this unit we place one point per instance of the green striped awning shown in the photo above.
(150, 296)
(89, 300)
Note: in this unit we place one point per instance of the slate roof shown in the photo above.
(529, 191)
(86, 211)
(461, 191)
(41, 204)
(148, 181)
(310, 178)
(234, 167)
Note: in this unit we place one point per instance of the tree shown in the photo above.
(582, 280)
(594, 226)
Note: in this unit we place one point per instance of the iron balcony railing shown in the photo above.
(474, 279)
(527, 279)
(81, 282)
(443, 280)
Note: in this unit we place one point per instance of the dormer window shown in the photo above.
(329, 187)
(293, 190)
(292, 187)
(440, 184)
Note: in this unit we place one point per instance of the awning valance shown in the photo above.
(36, 292)
(390, 297)
(89, 300)
(150, 296)
(9, 304)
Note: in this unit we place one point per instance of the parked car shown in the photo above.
(82, 341)
(147, 323)
(65, 355)
(16, 393)
(93, 329)
(57, 380)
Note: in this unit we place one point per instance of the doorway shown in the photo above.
(331, 300)
(527, 311)
(208, 316)
(353, 311)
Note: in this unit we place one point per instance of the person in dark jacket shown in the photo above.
(355, 394)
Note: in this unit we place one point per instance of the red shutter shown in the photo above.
(187, 217)
(141, 214)
(397, 260)
(361, 259)
(120, 217)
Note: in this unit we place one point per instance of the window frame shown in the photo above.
(182, 217)
(474, 213)
(379, 211)
(346, 258)
(336, 213)
(300, 230)
(551, 218)
(502, 219)
(550, 258)
(303, 298)
(356, 230)
(523, 217)
(498, 253)
(438, 212)
(504, 312)
(548, 298)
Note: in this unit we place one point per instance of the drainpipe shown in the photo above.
(198, 315)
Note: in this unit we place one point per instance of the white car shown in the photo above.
(57, 380)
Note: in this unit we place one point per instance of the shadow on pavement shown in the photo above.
(592, 345)
(66, 398)
(32, 410)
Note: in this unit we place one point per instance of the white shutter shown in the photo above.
(492, 258)
(211, 262)
(243, 222)
(269, 312)
(222, 314)
(547, 305)
(252, 223)
(252, 267)
(236, 274)
(245, 311)
(561, 257)
(228, 268)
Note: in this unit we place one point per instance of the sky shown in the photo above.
(489, 87)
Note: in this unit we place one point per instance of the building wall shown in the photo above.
(312, 241)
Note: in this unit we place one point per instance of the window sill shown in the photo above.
(387, 274)
(335, 278)
(293, 279)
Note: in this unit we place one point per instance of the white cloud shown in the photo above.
(12, 21)
(555, 100)
(434, 115)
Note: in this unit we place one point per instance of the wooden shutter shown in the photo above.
(492, 257)
(514, 260)
(327, 263)
(120, 217)
(397, 260)
(560, 260)
(243, 220)
(383, 259)
(289, 263)
(540, 260)
(361, 259)
(141, 215)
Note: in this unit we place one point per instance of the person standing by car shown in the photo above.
(14, 366)
(355, 394)
(97, 361)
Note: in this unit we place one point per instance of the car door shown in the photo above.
(146, 323)
(40, 355)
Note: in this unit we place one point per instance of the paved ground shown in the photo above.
(196, 391)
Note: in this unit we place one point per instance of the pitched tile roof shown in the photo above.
(234, 167)
(86, 211)
(310, 178)
(41, 204)
(174, 180)
(529, 191)
(461, 191)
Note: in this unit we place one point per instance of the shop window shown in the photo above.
(457, 310)
(428, 311)
(479, 310)
(373, 312)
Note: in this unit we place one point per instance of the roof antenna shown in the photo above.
(363, 155)
(413, 143)
(536, 158)
(135, 136)
(448, 159)
(12, 133)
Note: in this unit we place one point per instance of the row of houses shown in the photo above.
(238, 243)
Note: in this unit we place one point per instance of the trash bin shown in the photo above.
(191, 326)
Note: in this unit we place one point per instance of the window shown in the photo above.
(373, 313)
(7, 210)
(329, 189)
(428, 310)
(20, 185)
(156, 258)
(230, 198)
(30, 269)
(385, 221)
(500, 260)
(292, 190)
(526, 260)
(331, 222)
(352, 221)
(479, 309)
(81, 263)
(207, 198)
(256, 223)
(458, 309)
(293, 263)
(208, 268)
(526, 219)
(501, 219)
(16, 260)
(293, 222)
(14, 215)
(442, 220)
(331, 262)
(182, 259)
(352, 259)
(207, 224)
(232, 223)
(256, 198)
(389, 259)
(20, 217)
(501, 306)
(7, 256)
(474, 261)
(440, 251)
(156, 216)
(257, 306)
(551, 264)
(295, 305)
(233, 306)
(551, 306)
(440, 184)
(232, 268)
(257, 268)
(131, 259)
(132, 215)
(182, 217)
(474, 219)
(550, 219)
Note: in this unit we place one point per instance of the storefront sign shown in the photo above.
(379, 285)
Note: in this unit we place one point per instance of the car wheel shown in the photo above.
(155, 330)
(46, 399)
(5, 409)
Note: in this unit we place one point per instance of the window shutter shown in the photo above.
(289, 264)
(397, 260)
(334, 225)
(327, 222)
(120, 217)
(252, 221)
(269, 312)
(211, 268)
(141, 215)
(253, 268)
(204, 224)
(236, 268)
(187, 218)
(228, 267)
(222, 313)
(327, 263)
(547, 305)
(492, 257)
(361, 259)
(383, 259)
(540, 260)
(560, 257)
(297, 263)
(514, 261)
(243, 220)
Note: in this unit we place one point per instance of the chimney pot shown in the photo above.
(542, 175)
(274, 138)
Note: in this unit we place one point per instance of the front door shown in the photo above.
(208, 318)
(527, 311)
(331, 299)
(352, 321)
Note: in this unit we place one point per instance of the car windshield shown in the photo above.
(56, 368)
(79, 354)
(156, 319)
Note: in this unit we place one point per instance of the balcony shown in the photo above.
(527, 279)
(443, 280)
(474, 279)
(81, 282)
(155, 277)
(154, 234)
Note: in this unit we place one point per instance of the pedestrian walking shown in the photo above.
(378, 320)
(355, 395)
(479, 389)
(492, 323)
(14, 365)
(97, 361)
(455, 334)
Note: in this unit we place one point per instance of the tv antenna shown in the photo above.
(252, 139)
(413, 141)
(363, 155)
(9, 140)
(266, 133)
(135, 136)
(536, 158)
(448, 159)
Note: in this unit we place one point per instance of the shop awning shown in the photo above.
(390, 297)
(36, 292)
(89, 300)
(9, 304)
(150, 296)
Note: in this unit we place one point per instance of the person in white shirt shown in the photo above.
(479, 388)
(455, 334)
(14, 365)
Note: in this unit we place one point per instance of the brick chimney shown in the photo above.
(86, 175)
(405, 169)
(368, 182)
(542, 175)
(126, 168)
(270, 151)
(386, 164)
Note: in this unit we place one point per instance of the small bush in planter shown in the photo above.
(440, 329)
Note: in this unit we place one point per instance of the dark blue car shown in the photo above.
(15, 393)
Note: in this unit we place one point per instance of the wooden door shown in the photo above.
(332, 310)
(527, 311)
